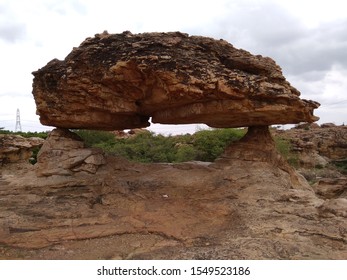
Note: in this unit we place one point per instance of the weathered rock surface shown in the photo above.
(329, 188)
(14, 148)
(317, 146)
(247, 205)
(334, 207)
(258, 146)
(64, 153)
(119, 81)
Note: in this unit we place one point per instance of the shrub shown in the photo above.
(33, 159)
(205, 145)
(185, 152)
(210, 144)
(94, 137)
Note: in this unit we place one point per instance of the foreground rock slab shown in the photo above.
(119, 81)
(247, 205)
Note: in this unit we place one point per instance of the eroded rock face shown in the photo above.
(63, 153)
(14, 148)
(119, 81)
(247, 205)
(316, 146)
(329, 188)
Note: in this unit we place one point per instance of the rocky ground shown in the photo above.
(249, 204)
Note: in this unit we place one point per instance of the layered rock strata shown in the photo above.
(14, 148)
(317, 146)
(119, 81)
(247, 205)
(64, 153)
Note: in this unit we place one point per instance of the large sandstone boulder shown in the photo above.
(119, 81)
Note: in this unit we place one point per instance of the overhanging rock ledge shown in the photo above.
(119, 81)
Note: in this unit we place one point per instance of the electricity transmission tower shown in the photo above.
(18, 125)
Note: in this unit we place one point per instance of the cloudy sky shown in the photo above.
(308, 39)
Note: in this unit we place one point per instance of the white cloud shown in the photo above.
(315, 12)
(307, 38)
(330, 91)
(11, 28)
(12, 32)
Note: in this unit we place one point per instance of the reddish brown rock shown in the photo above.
(118, 81)
(247, 206)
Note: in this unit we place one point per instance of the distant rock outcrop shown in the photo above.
(315, 145)
(119, 81)
(14, 148)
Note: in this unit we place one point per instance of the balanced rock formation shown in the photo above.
(119, 81)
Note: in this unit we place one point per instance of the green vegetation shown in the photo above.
(42, 135)
(341, 165)
(94, 137)
(284, 148)
(33, 159)
(204, 145)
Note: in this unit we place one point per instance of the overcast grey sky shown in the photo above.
(307, 38)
